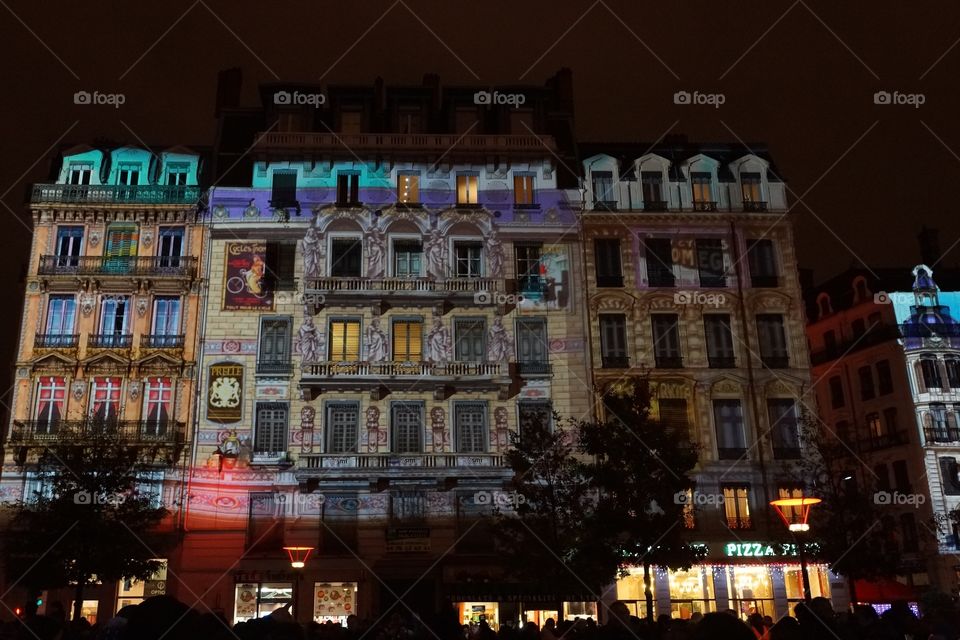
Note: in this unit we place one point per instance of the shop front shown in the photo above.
(259, 593)
(499, 603)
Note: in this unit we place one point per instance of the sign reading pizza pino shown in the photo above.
(225, 393)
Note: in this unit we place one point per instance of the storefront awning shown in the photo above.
(514, 592)
(883, 590)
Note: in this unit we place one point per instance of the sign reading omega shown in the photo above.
(225, 392)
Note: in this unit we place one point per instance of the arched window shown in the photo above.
(860, 291)
(823, 304)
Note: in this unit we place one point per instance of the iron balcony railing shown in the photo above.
(704, 205)
(155, 266)
(110, 340)
(26, 432)
(755, 207)
(943, 434)
(115, 193)
(391, 369)
(274, 366)
(162, 341)
(56, 340)
(884, 441)
(655, 205)
(353, 460)
(389, 285)
(534, 368)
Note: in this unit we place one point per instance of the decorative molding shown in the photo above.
(77, 388)
(726, 387)
(134, 390)
(143, 303)
(87, 303)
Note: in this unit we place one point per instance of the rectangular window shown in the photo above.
(276, 336)
(720, 353)
(652, 184)
(469, 259)
(666, 340)
(177, 174)
(792, 514)
(523, 193)
(750, 190)
(659, 258)
(351, 121)
(166, 316)
(407, 340)
(930, 373)
(281, 265)
(865, 375)
(951, 364)
(80, 172)
(532, 355)
(149, 485)
(343, 419)
(731, 439)
(762, 261)
(407, 427)
(469, 335)
(470, 425)
(344, 341)
(284, 188)
(773, 341)
(170, 247)
(529, 269)
(836, 392)
(533, 414)
(121, 243)
(701, 183)
(348, 188)
(613, 341)
(407, 258)
(51, 404)
(114, 321)
(736, 506)
(128, 174)
(467, 189)
(606, 253)
(346, 255)
(604, 196)
(105, 399)
(784, 427)
(874, 426)
(270, 435)
(674, 417)
(157, 406)
(408, 187)
(69, 246)
(61, 316)
(710, 262)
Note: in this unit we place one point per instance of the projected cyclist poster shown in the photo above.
(246, 285)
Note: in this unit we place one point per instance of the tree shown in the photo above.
(640, 470)
(849, 528)
(89, 521)
(545, 536)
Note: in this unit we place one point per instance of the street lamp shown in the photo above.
(795, 512)
(298, 560)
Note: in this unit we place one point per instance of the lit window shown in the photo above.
(736, 506)
(467, 185)
(345, 340)
(407, 340)
(158, 405)
(408, 188)
(51, 404)
(750, 187)
(105, 398)
(523, 194)
(702, 193)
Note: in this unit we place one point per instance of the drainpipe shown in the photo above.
(751, 382)
(588, 323)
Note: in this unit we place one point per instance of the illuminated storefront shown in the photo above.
(751, 589)
(691, 592)
(630, 592)
(136, 591)
(793, 581)
(334, 601)
(258, 599)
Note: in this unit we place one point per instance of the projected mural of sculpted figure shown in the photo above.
(376, 342)
(309, 339)
(436, 253)
(495, 256)
(376, 252)
(499, 343)
(311, 253)
(439, 342)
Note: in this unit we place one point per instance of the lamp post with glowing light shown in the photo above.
(795, 512)
(298, 560)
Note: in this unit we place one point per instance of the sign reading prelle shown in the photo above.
(225, 393)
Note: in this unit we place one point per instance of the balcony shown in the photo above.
(534, 369)
(56, 341)
(941, 435)
(739, 522)
(410, 143)
(668, 362)
(364, 292)
(704, 205)
(755, 207)
(274, 367)
(605, 205)
(655, 206)
(764, 281)
(110, 340)
(39, 432)
(722, 362)
(615, 362)
(775, 362)
(121, 266)
(468, 465)
(883, 441)
(162, 341)
(115, 194)
(407, 376)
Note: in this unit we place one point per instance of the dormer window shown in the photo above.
(128, 174)
(177, 174)
(604, 196)
(79, 173)
(701, 183)
(652, 184)
(751, 192)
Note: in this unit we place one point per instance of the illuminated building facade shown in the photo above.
(691, 279)
(108, 331)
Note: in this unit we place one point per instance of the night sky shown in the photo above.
(799, 76)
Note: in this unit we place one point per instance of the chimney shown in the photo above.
(229, 83)
(929, 240)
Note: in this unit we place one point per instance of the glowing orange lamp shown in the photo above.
(298, 556)
(799, 512)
